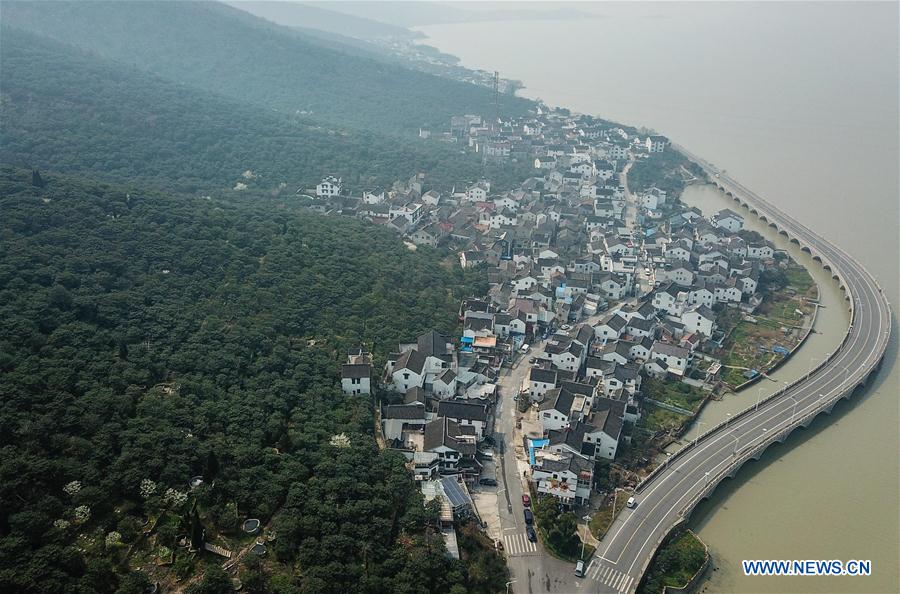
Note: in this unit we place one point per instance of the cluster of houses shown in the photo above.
(621, 293)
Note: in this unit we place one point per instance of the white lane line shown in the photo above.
(627, 585)
(613, 579)
(709, 446)
(716, 452)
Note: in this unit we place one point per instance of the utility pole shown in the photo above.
(496, 88)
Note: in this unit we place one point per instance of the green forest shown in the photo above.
(216, 48)
(666, 171)
(70, 111)
(149, 338)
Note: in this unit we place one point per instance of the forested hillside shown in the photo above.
(148, 338)
(223, 50)
(303, 15)
(69, 111)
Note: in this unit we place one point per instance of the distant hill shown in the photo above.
(71, 111)
(219, 49)
(296, 14)
(411, 13)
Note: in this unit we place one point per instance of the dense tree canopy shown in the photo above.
(147, 338)
(222, 50)
(70, 111)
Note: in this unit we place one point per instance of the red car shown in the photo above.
(526, 500)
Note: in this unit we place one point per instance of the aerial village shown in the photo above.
(595, 293)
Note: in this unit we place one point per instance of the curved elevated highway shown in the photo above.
(669, 494)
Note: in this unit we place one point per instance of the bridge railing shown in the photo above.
(746, 453)
(760, 444)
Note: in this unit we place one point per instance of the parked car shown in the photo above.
(632, 502)
(579, 568)
(488, 482)
(526, 500)
(529, 517)
(532, 535)
(532, 360)
(525, 348)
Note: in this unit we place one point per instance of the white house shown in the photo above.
(665, 298)
(478, 192)
(676, 358)
(561, 408)
(466, 414)
(656, 144)
(356, 379)
(408, 371)
(699, 319)
(610, 328)
(726, 293)
(541, 381)
(653, 198)
(451, 442)
(701, 296)
(679, 250)
(728, 219)
(756, 251)
(567, 477)
(329, 186)
(603, 428)
(372, 198)
(444, 385)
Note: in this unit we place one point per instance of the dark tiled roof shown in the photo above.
(547, 376)
(460, 409)
(349, 370)
(432, 344)
(412, 360)
(408, 412)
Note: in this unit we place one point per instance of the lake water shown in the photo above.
(799, 102)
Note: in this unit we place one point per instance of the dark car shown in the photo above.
(488, 482)
(529, 517)
(532, 535)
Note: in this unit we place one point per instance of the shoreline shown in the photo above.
(823, 324)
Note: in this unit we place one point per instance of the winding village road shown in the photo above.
(667, 496)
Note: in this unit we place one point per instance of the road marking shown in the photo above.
(518, 544)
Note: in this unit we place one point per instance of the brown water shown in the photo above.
(800, 103)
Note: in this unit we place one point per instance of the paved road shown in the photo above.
(531, 568)
(666, 499)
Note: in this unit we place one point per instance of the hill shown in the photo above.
(297, 14)
(219, 49)
(70, 111)
(411, 13)
(147, 338)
